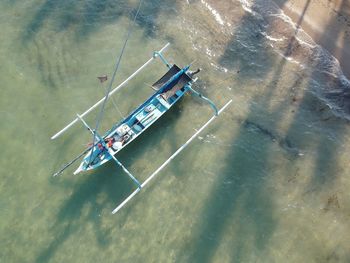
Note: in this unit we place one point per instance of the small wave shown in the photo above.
(291, 42)
(219, 68)
(209, 52)
(247, 6)
(274, 39)
(214, 12)
(290, 59)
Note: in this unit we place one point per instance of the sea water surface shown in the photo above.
(268, 181)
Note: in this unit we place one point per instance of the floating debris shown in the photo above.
(332, 202)
(102, 78)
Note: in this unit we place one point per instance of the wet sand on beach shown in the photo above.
(327, 22)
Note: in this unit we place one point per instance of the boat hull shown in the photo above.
(172, 87)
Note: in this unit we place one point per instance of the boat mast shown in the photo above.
(112, 92)
(99, 117)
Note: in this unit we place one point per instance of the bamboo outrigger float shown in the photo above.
(169, 89)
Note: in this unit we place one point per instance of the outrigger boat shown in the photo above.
(169, 89)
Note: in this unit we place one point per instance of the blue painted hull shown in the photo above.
(124, 132)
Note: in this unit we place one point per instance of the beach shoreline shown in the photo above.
(327, 22)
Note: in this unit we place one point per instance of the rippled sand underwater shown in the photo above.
(267, 182)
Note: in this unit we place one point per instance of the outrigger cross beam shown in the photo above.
(170, 159)
(169, 89)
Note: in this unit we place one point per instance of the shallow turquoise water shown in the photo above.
(266, 183)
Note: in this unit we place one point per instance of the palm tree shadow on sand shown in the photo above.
(246, 201)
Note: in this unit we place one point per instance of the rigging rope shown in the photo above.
(98, 119)
(116, 107)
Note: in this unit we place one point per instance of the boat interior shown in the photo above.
(145, 114)
(151, 110)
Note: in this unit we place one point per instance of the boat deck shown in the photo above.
(140, 119)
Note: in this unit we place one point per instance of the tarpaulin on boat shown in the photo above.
(171, 72)
(179, 84)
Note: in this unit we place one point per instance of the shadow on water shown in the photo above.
(108, 186)
(84, 206)
(333, 90)
(55, 55)
(240, 196)
(241, 57)
(85, 17)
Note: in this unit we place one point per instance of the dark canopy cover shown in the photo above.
(180, 83)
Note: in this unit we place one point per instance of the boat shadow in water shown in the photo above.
(93, 197)
(86, 17)
(98, 192)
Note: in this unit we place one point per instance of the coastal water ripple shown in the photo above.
(267, 182)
